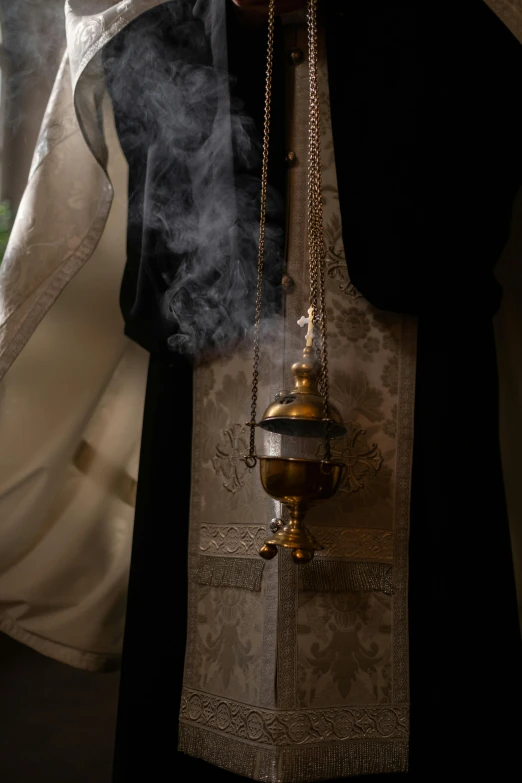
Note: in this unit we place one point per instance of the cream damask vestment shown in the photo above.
(300, 673)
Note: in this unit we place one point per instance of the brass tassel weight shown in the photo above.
(306, 411)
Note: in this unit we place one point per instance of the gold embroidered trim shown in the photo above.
(356, 543)
(230, 572)
(286, 690)
(405, 425)
(267, 692)
(339, 576)
(239, 540)
(195, 510)
(292, 727)
(294, 765)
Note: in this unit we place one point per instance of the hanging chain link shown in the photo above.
(312, 179)
(251, 459)
(317, 249)
(316, 245)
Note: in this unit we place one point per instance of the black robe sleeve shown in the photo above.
(426, 123)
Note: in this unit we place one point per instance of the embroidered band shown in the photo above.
(331, 576)
(300, 728)
(230, 572)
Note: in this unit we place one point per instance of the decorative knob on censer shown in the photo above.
(305, 412)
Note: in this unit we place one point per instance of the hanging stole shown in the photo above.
(300, 673)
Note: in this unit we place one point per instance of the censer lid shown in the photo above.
(300, 412)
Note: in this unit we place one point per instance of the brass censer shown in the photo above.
(305, 411)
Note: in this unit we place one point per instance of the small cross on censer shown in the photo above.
(305, 412)
(310, 321)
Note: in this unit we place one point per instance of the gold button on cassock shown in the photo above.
(296, 56)
(290, 158)
(287, 284)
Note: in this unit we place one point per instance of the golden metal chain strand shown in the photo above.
(251, 458)
(316, 245)
(312, 184)
(317, 250)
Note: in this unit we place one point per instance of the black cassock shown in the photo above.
(427, 130)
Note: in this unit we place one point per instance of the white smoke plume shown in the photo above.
(33, 33)
(201, 155)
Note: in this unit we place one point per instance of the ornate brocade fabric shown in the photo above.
(301, 673)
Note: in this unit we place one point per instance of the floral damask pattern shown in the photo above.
(357, 396)
(215, 419)
(390, 425)
(228, 648)
(225, 440)
(390, 375)
(231, 491)
(344, 648)
(336, 267)
(208, 381)
(387, 322)
(234, 394)
(349, 324)
(390, 342)
(371, 345)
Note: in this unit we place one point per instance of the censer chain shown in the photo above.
(251, 459)
(316, 250)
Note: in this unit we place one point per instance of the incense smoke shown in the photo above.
(201, 154)
(33, 42)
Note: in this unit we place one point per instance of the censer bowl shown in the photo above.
(299, 484)
(298, 480)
